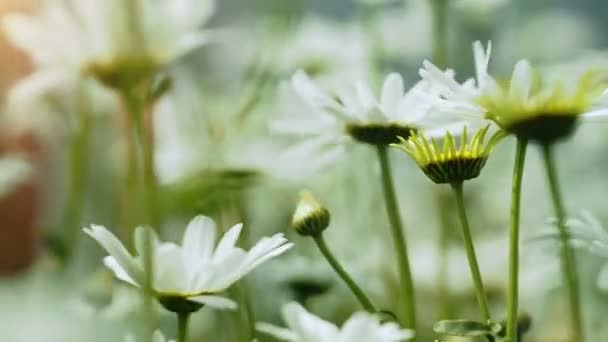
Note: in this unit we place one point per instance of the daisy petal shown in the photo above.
(115, 248)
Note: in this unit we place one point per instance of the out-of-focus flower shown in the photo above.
(414, 20)
(157, 337)
(194, 272)
(355, 113)
(453, 163)
(331, 52)
(119, 42)
(306, 327)
(534, 106)
(189, 127)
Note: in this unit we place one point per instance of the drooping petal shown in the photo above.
(115, 248)
(118, 270)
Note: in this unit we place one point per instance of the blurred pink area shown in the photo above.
(19, 211)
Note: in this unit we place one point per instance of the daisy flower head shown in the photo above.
(539, 106)
(327, 121)
(119, 42)
(303, 326)
(454, 162)
(189, 276)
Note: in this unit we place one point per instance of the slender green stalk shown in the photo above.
(182, 326)
(144, 146)
(440, 41)
(79, 172)
(470, 249)
(335, 264)
(513, 290)
(445, 224)
(398, 237)
(568, 262)
(140, 148)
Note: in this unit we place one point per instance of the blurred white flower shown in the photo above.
(327, 122)
(414, 20)
(306, 327)
(188, 127)
(529, 99)
(157, 337)
(195, 271)
(107, 37)
(332, 52)
(14, 170)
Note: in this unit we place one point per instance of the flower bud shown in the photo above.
(310, 217)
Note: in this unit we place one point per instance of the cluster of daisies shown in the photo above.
(447, 127)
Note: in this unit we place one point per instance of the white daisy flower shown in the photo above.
(306, 327)
(191, 274)
(541, 107)
(111, 38)
(355, 113)
(157, 337)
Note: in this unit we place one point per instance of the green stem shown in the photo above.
(440, 41)
(182, 326)
(470, 249)
(79, 171)
(445, 224)
(398, 237)
(141, 148)
(145, 142)
(335, 264)
(513, 290)
(568, 262)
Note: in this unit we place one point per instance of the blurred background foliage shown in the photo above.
(217, 156)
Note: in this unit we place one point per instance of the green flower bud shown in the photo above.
(310, 217)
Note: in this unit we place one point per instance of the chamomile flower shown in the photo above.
(354, 114)
(306, 327)
(453, 163)
(117, 41)
(189, 276)
(542, 107)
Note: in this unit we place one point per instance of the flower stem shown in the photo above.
(470, 249)
(568, 262)
(335, 264)
(182, 326)
(398, 237)
(141, 148)
(79, 172)
(513, 290)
